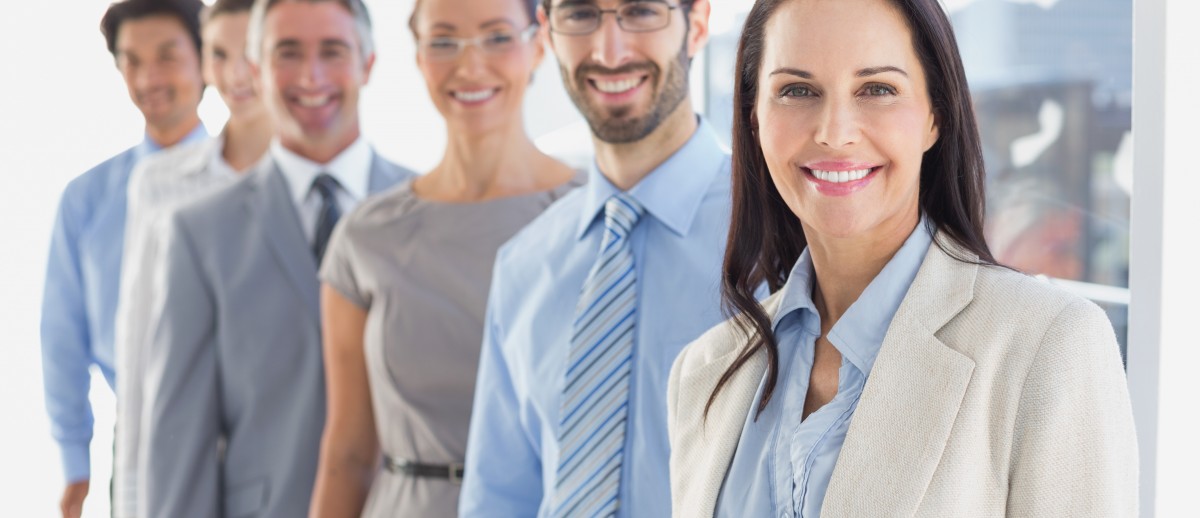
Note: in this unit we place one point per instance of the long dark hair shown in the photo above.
(765, 237)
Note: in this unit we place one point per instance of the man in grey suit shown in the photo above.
(236, 391)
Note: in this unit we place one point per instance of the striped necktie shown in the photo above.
(326, 186)
(595, 406)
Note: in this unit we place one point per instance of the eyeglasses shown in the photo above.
(583, 19)
(445, 48)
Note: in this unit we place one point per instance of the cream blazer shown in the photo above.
(993, 395)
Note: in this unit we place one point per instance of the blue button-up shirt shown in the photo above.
(79, 303)
(783, 465)
(678, 245)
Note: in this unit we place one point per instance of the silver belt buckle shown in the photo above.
(454, 477)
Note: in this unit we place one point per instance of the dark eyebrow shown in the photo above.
(573, 3)
(334, 42)
(793, 72)
(289, 43)
(167, 45)
(444, 25)
(498, 21)
(879, 70)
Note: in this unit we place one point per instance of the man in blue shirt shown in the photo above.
(591, 303)
(156, 48)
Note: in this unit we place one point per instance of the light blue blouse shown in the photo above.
(783, 464)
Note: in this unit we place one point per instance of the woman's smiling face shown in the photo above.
(843, 115)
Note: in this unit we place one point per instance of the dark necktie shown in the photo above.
(327, 187)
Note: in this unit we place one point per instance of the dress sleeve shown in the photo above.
(339, 267)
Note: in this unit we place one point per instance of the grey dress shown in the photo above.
(422, 270)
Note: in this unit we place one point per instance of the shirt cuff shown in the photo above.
(77, 462)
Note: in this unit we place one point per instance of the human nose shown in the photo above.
(312, 71)
(239, 69)
(609, 47)
(148, 75)
(470, 60)
(838, 125)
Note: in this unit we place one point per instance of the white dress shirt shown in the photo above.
(157, 186)
(351, 168)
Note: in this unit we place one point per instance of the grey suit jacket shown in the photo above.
(993, 395)
(235, 394)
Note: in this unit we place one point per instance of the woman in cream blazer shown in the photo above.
(990, 394)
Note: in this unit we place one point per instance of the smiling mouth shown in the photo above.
(475, 96)
(617, 87)
(842, 176)
(313, 101)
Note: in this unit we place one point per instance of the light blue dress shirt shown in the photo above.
(678, 245)
(783, 465)
(79, 302)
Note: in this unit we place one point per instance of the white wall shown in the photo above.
(1179, 385)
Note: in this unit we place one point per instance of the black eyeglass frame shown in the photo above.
(616, 14)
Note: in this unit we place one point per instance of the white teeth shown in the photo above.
(841, 176)
(474, 97)
(617, 87)
(313, 101)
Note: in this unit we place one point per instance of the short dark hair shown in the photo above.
(529, 5)
(765, 236)
(186, 11)
(225, 7)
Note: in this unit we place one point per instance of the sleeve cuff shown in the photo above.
(77, 462)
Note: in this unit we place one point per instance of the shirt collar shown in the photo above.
(672, 192)
(149, 146)
(217, 166)
(351, 168)
(859, 333)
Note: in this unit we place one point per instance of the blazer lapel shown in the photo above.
(911, 399)
(716, 437)
(285, 238)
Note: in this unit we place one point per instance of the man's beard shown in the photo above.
(616, 125)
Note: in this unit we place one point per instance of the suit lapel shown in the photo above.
(911, 399)
(284, 236)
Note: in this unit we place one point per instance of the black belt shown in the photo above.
(453, 472)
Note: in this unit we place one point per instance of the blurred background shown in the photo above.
(1052, 81)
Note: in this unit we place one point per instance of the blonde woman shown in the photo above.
(406, 276)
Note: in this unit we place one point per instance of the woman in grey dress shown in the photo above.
(406, 275)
